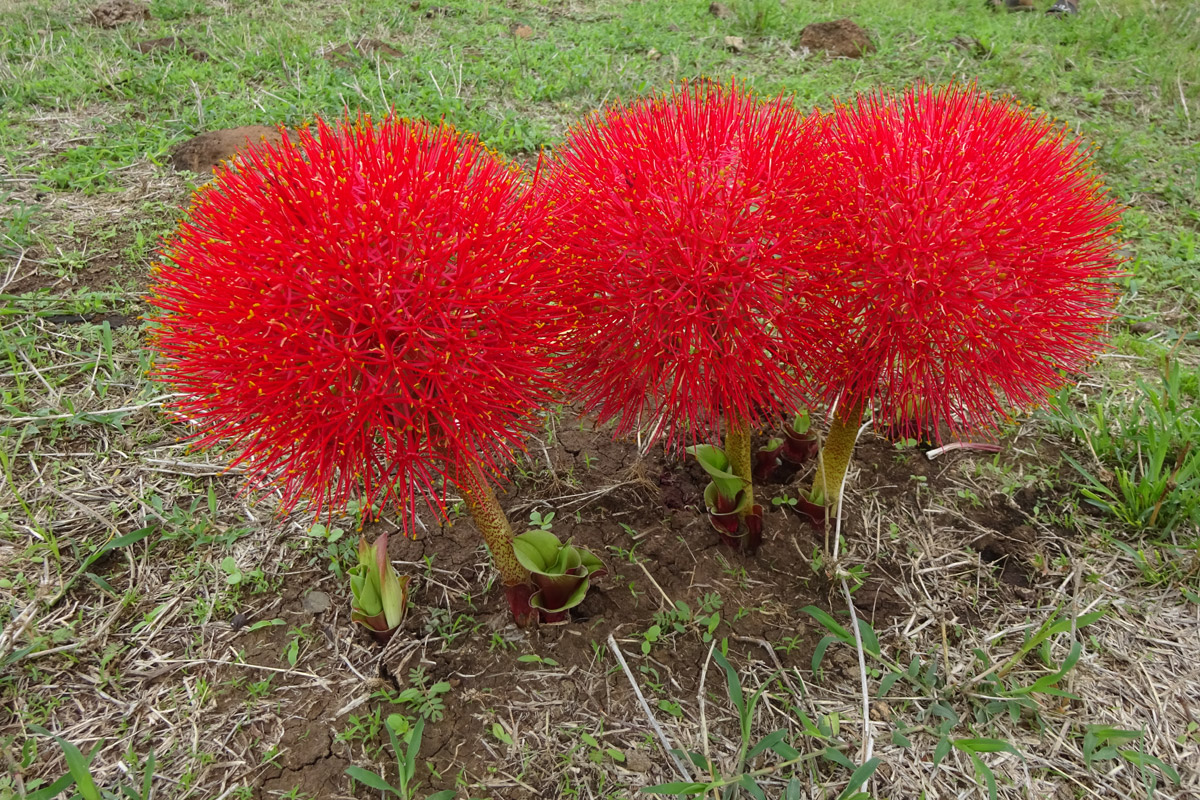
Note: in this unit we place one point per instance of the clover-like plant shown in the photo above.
(971, 268)
(380, 593)
(561, 572)
(360, 314)
(679, 224)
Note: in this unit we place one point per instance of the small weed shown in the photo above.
(784, 499)
(448, 625)
(1150, 444)
(331, 544)
(423, 697)
(534, 658)
(406, 762)
(540, 521)
(79, 774)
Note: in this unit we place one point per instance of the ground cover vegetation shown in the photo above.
(1015, 616)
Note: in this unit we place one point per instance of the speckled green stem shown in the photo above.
(737, 450)
(492, 523)
(834, 459)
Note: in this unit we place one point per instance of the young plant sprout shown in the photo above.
(358, 314)
(561, 572)
(727, 499)
(678, 223)
(380, 593)
(797, 445)
(972, 267)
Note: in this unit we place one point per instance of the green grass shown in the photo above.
(87, 124)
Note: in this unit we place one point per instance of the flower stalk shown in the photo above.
(737, 450)
(493, 526)
(833, 462)
(967, 266)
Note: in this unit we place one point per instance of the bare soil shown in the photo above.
(655, 511)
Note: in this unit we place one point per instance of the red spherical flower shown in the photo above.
(676, 224)
(973, 261)
(358, 313)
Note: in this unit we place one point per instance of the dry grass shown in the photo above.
(151, 648)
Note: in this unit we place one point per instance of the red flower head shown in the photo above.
(676, 222)
(358, 314)
(974, 260)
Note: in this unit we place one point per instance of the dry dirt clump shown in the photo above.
(721, 11)
(343, 54)
(170, 43)
(841, 38)
(115, 13)
(204, 153)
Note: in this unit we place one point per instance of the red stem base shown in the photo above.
(518, 602)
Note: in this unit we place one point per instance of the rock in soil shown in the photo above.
(315, 602)
(842, 37)
(116, 13)
(206, 152)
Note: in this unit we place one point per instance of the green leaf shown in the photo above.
(712, 458)
(870, 641)
(679, 789)
(78, 766)
(567, 562)
(810, 727)
(103, 584)
(414, 746)
(767, 742)
(265, 623)
(501, 734)
(944, 711)
(444, 794)
(293, 652)
(53, 790)
(819, 652)
(837, 757)
(714, 494)
(558, 593)
(120, 541)
(829, 623)
(537, 550)
(785, 751)
(752, 788)
(985, 746)
(1046, 682)
(1144, 760)
(859, 777)
(982, 769)
(595, 567)
(148, 776)
(942, 749)
(732, 680)
(716, 464)
(393, 596)
(367, 778)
